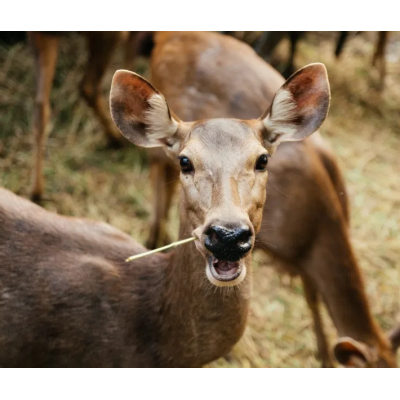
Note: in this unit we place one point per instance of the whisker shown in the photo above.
(285, 194)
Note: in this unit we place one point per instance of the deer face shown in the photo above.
(223, 175)
(223, 162)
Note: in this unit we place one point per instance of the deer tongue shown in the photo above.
(226, 267)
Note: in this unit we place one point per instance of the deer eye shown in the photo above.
(262, 162)
(186, 165)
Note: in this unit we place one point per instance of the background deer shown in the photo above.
(378, 59)
(305, 224)
(101, 46)
(267, 42)
(69, 299)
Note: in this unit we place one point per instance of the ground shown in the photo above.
(84, 178)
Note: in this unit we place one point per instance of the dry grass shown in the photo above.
(85, 179)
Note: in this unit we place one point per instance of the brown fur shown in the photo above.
(76, 303)
(305, 223)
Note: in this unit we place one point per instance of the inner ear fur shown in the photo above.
(299, 107)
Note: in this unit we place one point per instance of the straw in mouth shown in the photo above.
(169, 246)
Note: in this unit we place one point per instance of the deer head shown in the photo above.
(223, 161)
(352, 353)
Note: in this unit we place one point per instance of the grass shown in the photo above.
(85, 179)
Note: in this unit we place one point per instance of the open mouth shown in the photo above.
(225, 271)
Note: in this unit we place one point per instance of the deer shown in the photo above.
(45, 45)
(67, 297)
(378, 58)
(306, 215)
(268, 41)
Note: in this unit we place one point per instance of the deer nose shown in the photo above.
(230, 244)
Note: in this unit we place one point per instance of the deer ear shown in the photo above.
(299, 106)
(141, 112)
(351, 353)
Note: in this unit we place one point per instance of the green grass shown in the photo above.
(85, 179)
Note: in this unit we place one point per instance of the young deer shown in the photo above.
(45, 48)
(305, 225)
(67, 298)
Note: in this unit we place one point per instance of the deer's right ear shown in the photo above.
(141, 112)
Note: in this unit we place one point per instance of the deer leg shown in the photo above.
(172, 180)
(171, 176)
(294, 40)
(379, 55)
(157, 227)
(101, 46)
(311, 296)
(130, 53)
(267, 43)
(164, 179)
(45, 48)
(340, 43)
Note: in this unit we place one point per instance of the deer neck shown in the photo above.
(201, 322)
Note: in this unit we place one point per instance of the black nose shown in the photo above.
(230, 244)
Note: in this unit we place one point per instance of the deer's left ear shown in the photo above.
(299, 107)
(141, 112)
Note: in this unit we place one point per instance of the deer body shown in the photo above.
(68, 299)
(305, 224)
